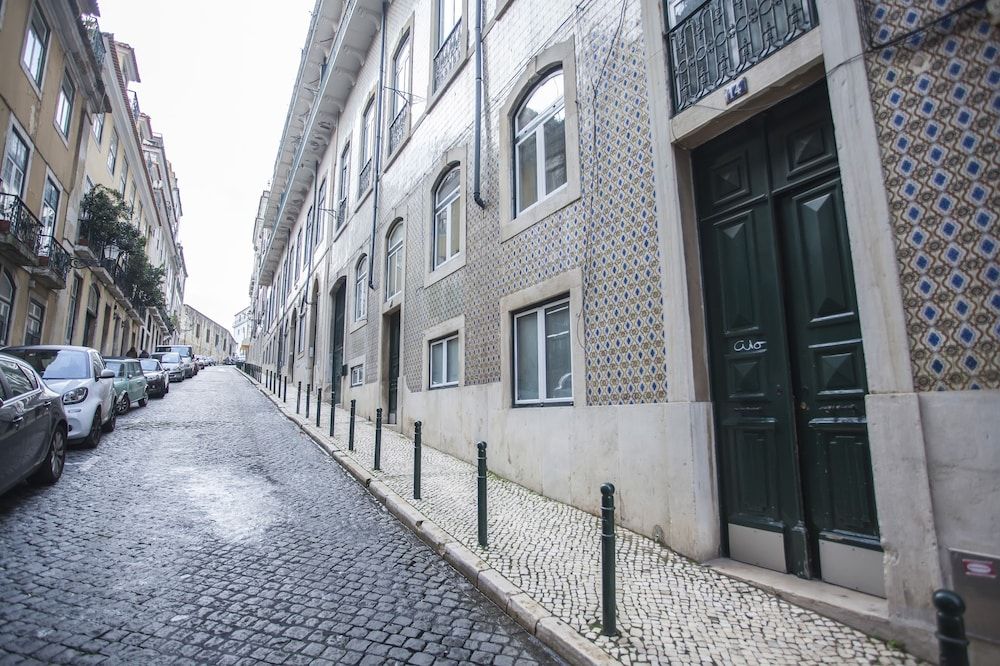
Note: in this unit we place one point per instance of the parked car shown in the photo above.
(130, 383)
(157, 378)
(32, 426)
(171, 362)
(187, 356)
(86, 386)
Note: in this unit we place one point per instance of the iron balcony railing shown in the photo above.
(365, 178)
(447, 57)
(18, 220)
(717, 41)
(341, 212)
(96, 38)
(55, 256)
(398, 128)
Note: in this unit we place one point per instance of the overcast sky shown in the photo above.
(216, 79)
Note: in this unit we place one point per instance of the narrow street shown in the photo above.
(208, 529)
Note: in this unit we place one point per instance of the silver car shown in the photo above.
(171, 362)
(87, 388)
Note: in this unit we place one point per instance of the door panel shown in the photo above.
(786, 354)
(393, 368)
(337, 353)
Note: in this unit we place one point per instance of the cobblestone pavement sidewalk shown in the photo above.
(670, 609)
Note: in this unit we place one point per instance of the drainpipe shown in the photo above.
(315, 212)
(377, 166)
(478, 139)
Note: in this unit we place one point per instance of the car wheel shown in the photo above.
(94, 436)
(124, 404)
(112, 422)
(52, 467)
(144, 400)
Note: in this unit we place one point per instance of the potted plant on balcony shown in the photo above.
(105, 218)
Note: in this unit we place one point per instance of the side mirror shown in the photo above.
(107, 374)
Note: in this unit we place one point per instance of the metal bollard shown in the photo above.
(319, 403)
(417, 427)
(298, 398)
(308, 398)
(481, 494)
(608, 624)
(953, 646)
(284, 398)
(333, 409)
(378, 439)
(350, 429)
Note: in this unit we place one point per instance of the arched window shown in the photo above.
(447, 217)
(361, 289)
(540, 142)
(394, 261)
(7, 294)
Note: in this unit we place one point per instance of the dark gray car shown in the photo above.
(32, 426)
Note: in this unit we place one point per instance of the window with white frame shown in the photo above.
(543, 371)
(310, 230)
(394, 261)
(345, 179)
(123, 181)
(113, 151)
(98, 126)
(368, 133)
(15, 164)
(401, 75)
(33, 324)
(361, 289)
(7, 294)
(297, 254)
(540, 143)
(449, 16)
(64, 106)
(444, 362)
(447, 217)
(358, 375)
(36, 44)
(50, 209)
(320, 214)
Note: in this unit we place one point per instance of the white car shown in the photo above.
(87, 388)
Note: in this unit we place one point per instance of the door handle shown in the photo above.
(17, 422)
(779, 390)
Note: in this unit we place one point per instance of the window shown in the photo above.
(16, 379)
(345, 179)
(367, 148)
(361, 289)
(7, 294)
(15, 164)
(36, 43)
(297, 254)
(74, 306)
(444, 362)
(401, 77)
(98, 126)
(394, 262)
(540, 143)
(449, 16)
(320, 214)
(358, 375)
(542, 367)
(50, 209)
(124, 178)
(113, 151)
(310, 232)
(33, 326)
(64, 106)
(447, 217)
(300, 332)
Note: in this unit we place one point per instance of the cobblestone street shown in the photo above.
(208, 528)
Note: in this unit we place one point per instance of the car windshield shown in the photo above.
(149, 365)
(57, 363)
(167, 357)
(115, 367)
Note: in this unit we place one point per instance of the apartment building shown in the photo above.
(206, 336)
(59, 287)
(241, 329)
(737, 258)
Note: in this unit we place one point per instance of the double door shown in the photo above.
(785, 348)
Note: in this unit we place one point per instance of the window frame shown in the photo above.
(38, 318)
(395, 252)
(357, 378)
(15, 137)
(7, 318)
(453, 223)
(64, 107)
(443, 341)
(361, 289)
(112, 160)
(535, 129)
(344, 175)
(403, 48)
(37, 78)
(367, 145)
(98, 127)
(539, 311)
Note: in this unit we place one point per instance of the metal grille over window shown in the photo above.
(365, 178)
(713, 41)
(341, 212)
(447, 57)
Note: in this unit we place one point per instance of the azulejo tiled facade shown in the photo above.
(937, 105)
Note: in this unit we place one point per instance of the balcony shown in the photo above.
(720, 39)
(93, 29)
(399, 128)
(365, 178)
(85, 248)
(53, 263)
(19, 229)
(341, 212)
(447, 57)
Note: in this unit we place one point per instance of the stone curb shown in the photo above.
(511, 599)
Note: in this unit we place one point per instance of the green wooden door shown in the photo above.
(788, 376)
